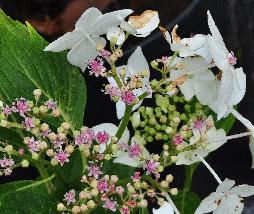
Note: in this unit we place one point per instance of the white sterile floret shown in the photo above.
(111, 129)
(136, 64)
(116, 35)
(143, 25)
(165, 208)
(232, 86)
(227, 199)
(82, 41)
(198, 78)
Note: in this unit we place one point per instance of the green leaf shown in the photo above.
(226, 123)
(24, 66)
(26, 197)
(186, 201)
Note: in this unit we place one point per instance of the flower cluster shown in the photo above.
(103, 190)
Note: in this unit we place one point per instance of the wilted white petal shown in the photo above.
(243, 190)
(67, 41)
(190, 157)
(108, 20)
(84, 51)
(225, 186)
(230, 204)
(145, 23)
(115, 33)
(166, 208)
(86, 20)
(209, 204)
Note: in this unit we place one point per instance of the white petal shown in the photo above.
(165, 208)
(125, 159)
(183, 50)
(84, 51)
(206, 91)
(239, 86)
(209, 203)
(120, 109)
(243, 190)
(194, 65)
(67, 41)
(87, 18)
(190, 157)
(187, 89)
(137, 62)
(251, 146)
(219, 56)
(117, 34)
(230, 204)
(225, 186)
(128, 27)
(108, 20)
(216, 35)
(243, 120)
(215, 138)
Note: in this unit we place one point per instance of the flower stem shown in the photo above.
(115, 76)
(210, 169)
(125, 121)
(44, 175)
(189, 170)
(243, 120)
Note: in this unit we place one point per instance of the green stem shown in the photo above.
(44, 175)
(115, 76)
(125, 121)
(189, 171)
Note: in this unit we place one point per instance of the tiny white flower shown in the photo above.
(227, 199)
(82, 41)
(111, 129)
(165, 208)
(136, 63)
(117, 34)
(143, 25)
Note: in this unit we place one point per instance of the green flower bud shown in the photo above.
(149, 111)
(152, 131)
(152, 121)
(158, 127)
(36, 110)
(163, 119)
(165, 137)
(25, 163)
(149, 139)
(141, 109)
(158, 136)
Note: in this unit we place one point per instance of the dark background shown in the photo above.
(235, 19)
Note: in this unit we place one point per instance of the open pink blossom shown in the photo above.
(69, 197)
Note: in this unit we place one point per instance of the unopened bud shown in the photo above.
(61, 207)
